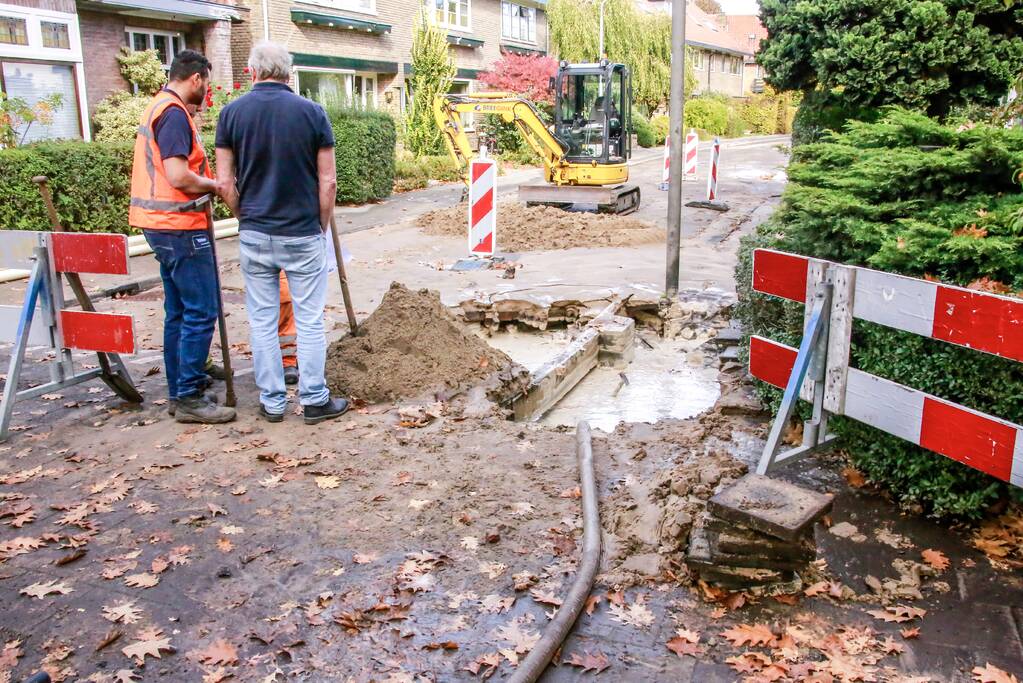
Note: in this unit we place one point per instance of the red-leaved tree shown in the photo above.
(524, 75)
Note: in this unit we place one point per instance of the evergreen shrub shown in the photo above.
(907, 195)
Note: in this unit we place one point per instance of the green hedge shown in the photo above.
(364, 144)
(91, 181)
(906, 195)
(707, 113)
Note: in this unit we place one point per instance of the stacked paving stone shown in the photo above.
(757, 534)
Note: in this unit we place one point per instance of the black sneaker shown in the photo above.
(200, 409)
(290, 374)
(268, 416)
(172, 404)
(328, 410)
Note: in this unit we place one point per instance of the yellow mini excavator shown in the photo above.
(585, 152)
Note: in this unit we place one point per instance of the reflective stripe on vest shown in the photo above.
(155, 203)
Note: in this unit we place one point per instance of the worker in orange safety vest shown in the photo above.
(170, 173)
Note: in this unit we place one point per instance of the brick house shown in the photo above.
(360, 49)
(746, 28)
(70, 47)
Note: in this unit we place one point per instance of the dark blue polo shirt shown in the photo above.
(275, 136)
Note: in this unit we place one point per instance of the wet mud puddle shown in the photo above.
(660, 383)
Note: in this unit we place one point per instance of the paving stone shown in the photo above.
(736, 541)
(770, 506)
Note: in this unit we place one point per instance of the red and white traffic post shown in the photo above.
(819, 371)
(666, 166)
(689, 158)
(43, 321)
(482, 207)
(712, 174)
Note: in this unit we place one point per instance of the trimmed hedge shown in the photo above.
(91, 181)
(910, 196)
(364, 144)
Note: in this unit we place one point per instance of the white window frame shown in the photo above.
(432, 6)
(530, 23)
(699, 59)
(149, 32)
(344, 6)
(35, 52)
(349, 80)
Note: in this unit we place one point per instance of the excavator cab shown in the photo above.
(593, 112)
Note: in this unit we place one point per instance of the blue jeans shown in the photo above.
(189, 304)
(304, 262)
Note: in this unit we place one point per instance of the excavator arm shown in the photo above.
(447, 110)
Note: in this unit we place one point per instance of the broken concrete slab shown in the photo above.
(770, 506)
(735, 543)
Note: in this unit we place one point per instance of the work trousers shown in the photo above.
(287, 333)
(190, 306)
(303, 261)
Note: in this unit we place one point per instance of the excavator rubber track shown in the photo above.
(618, 199)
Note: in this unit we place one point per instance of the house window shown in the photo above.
(518, 22)
(13, 31)
(734, 65)
(167, 45)
(32, 82)
(699, 60)
(55, 34)
(325, 86)
(450, 13)
(363, 6)
(713, 59)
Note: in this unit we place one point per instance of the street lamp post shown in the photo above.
(600, 50)
(676, 101)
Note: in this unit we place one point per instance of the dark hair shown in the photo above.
(188, 63)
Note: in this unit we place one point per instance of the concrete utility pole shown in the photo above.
(600, 49)
(676, 101)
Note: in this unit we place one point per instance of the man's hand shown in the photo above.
(183, 178)
(227, 186)
(326, 170)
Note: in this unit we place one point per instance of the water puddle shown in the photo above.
(660, 383)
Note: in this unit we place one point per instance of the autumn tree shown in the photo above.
(709, 6)
(525, 75)
(927, 55)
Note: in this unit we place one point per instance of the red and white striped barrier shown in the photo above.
(689, 156)
(42, 319)
(666, 169)
(976, 320)
(712, 176)
(482, 207)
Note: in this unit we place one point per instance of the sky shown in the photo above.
(740, 6)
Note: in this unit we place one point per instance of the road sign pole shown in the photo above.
(676, 102)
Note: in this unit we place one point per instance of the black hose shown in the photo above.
(540, 656)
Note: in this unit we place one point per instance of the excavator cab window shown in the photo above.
(592, 112)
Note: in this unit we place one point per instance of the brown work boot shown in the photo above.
(201, 409)
(172, 405)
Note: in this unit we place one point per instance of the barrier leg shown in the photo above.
(35, 286)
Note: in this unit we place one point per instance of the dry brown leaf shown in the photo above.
(143, 580)
(218, 653)
(151, 645)
(743, 634)
(937, 559)
(992, 674)
(224, 545)
(908, 633)
(589, 661)
(854, 477)
(685, 642)
(126, 613)
(41, 590)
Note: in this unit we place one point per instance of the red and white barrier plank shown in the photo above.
(482, 207)
(983, 442)
(976, 320)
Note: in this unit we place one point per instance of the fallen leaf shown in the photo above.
(743, 634)
(109, 639)
(218, 653)
(591, 604)
(595, 662)
(854, 477)
(636, 614)
(224, 545)
(992, 674)
(41, 590)
(151, 645)
(937, 559)
(231, 530)
(328, 482)
(685, 642)
(908, 633)
(897, 613)
(143, 580)
(125, 613)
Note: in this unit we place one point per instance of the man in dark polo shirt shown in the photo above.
(275, 167)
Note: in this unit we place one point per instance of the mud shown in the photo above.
(541, 228)
(410, 346)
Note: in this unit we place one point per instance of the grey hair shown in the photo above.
(270, 61)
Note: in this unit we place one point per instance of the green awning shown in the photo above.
(353, 63)
(519, 50)
(464, 41)
(463, 74)
(339, 22)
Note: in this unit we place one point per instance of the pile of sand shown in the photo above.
(410, 344)
(540, 228)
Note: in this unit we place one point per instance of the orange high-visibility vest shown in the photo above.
(155, 203)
